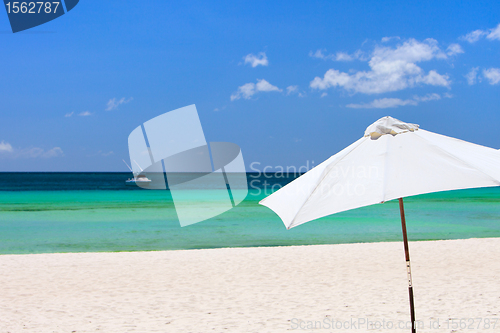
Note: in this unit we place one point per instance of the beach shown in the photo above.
(261, 289)
(250, 167)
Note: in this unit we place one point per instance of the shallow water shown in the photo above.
(88, 212)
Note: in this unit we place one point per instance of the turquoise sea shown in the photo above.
(90, 212)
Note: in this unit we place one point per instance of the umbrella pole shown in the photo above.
(408, 268)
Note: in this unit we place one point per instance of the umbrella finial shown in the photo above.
(389, 125)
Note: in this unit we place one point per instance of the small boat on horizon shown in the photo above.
(143, 180)
(138, 178)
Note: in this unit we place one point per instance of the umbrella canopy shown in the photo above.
(392, 160)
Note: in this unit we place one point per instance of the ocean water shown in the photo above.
(91, 212)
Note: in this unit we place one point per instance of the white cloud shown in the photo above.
(494, 33)
(263, 85)
(247, 90)
(410, 51)
(67, 115)
(427, 98)
(220, 109)
(54, 152)
(434, 79)
(476, 35)
(492, 75)
(256, 60)
(115, 103)
(472, 76)
(292, 89)
(339, 56)
(454, 49)
(5, 147)
(392, 69)
(318, 54)
(342, 56)
(384, 103)
(388, 39)
(85, 114)
(40, 153)
(34, 152)
(324, 95)
(105, 154)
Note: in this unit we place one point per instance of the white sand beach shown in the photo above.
(275, 289)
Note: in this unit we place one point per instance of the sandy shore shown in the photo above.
(279, 289)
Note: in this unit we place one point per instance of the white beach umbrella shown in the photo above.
(391, 161)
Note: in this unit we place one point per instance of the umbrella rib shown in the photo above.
(317, 185)
(459, 159)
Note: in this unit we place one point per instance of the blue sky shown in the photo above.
(288, 81)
